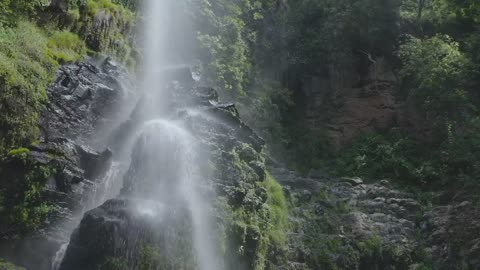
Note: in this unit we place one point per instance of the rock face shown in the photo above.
(340, 225)
(234, 181)
(453, 231)
(83, 98)
(68, 173)
(357, 101)
(118, 232)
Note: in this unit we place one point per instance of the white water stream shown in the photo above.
(168, 152)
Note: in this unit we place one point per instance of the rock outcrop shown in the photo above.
(453, 232)
(345, 224)
(60, 176)
(234, 181)
(352, 103)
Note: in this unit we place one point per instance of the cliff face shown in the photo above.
(74, 177)
(247, 216)
(351, 102)
(53, 181)
(333, 223)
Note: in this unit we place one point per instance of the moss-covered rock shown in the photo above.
(30, 54)
(340, 224)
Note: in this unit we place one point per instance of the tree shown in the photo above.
(435, 72)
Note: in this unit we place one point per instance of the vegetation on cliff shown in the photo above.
(260, 51)
(35, 38)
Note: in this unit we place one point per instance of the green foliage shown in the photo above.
(29, 58)
(23, 152)
(395, 156)
(227, 35)
(329, 31)
(115, 39)
(278, 207)
(435, 73)
(23, 206)
(66, 47)
(308, 148)
(391, 155)
(319, 220)
(4, 265)
(114, 264)
(94, 6)
(264, 110)
(254, 229)
(25, 71)
(12, 10)
(150, 258)
(130, 4)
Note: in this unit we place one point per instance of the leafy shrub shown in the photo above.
(390, 155)
(434, 71)
(393, 155)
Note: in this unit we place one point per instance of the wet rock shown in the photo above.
(118, 230)
(82, 97)
(236, 173)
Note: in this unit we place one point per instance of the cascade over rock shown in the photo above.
(231, 183)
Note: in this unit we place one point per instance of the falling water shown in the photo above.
(169, 152)
(163, 170)
(164, 164)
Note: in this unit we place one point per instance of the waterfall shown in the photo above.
(164, 171)
(162, 165)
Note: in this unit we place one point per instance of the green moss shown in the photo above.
(25, 72)
(30, 55)
(278, 208)
(255, 229)
(19, 152)
(4, 265)
(66, 47)
(370, 247)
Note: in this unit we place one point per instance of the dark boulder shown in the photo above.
(82, 97)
